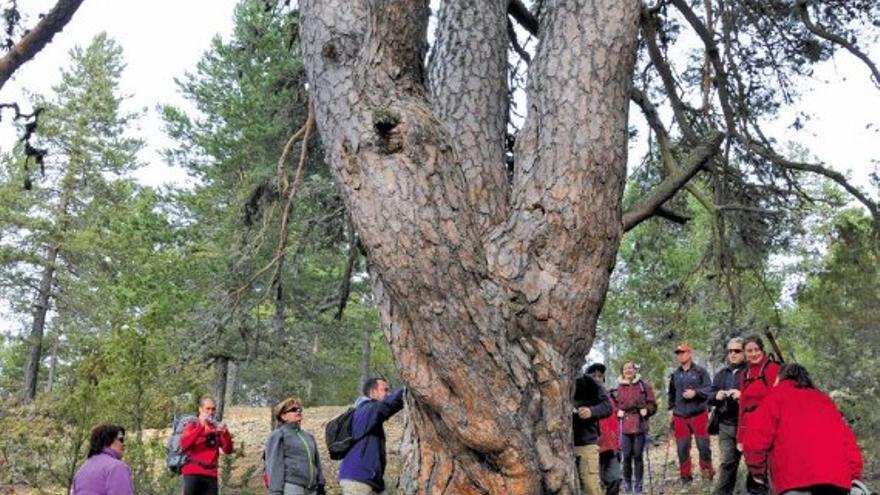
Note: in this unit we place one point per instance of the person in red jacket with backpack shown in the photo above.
(800, 437)
(755, 384)
(201, 441)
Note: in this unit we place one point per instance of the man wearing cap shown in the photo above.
(689, 391)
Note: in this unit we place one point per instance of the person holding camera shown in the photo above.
(725, 399)
(202, 441)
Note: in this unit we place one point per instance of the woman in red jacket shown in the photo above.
(755, 384)
(636, 403)
(801, 438)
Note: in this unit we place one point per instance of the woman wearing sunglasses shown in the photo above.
(104, 473)
(293, 466)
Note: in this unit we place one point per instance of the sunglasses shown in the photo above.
(294, 410)
(120, 439)
(734, 351)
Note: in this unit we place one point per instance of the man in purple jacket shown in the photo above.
(362, 470)
(104, 473)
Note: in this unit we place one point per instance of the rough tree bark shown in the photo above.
(488, 289)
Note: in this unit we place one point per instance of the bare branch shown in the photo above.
(649, 34)
(37, 38)
(673, 216)
(769, 154)
(714, 56)
(820, 31)
(671, 184)
(524, 17)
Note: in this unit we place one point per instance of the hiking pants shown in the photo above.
(199, 484)
(351, 487)
(729, 460)
(698, 427)
(633, 449)
(588, 468)
(291, 489)
(609, 472)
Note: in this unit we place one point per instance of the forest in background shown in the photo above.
(252, 285)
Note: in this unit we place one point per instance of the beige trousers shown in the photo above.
(588, 469)
(350, 487)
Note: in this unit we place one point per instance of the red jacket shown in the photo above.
(193, 442)
(753, 389)
(632, 396)
(800, 435)
(609, 432)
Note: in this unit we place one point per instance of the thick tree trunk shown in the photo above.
(221, 375)
(41, 309)
(488, 294)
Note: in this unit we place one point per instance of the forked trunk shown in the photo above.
(488, 291)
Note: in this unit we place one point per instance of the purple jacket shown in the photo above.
(103, 474)
(365, 462)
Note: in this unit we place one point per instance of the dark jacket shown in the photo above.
(588, 393)
(632, 397)
(365, 462)
(696, 378)
(801, 437)
(292, 457)
(727, 378)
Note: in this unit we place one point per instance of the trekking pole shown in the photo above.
(647, 453)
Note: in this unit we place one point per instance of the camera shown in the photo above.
(211, 439)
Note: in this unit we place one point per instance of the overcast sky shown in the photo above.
(162, 39)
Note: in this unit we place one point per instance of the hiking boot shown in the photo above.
(627, 487)
(686, 480)
(708, 473)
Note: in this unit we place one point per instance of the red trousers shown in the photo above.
(698, 426)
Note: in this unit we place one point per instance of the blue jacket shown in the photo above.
(365, 462)
(696, 378)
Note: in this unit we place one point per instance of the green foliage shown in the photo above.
(835, 325)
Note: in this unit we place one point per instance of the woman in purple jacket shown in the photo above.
(104, 473)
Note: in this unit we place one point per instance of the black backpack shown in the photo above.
(338, 434)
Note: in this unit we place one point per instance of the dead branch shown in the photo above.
(37, 38)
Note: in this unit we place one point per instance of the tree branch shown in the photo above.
(769, 154)
(649, 34)
(523, 17)
(37, 38)
(823, 33)
(671, 184)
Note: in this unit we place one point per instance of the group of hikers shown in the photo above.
(769, 414)
(292, 465)
(792, 437)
